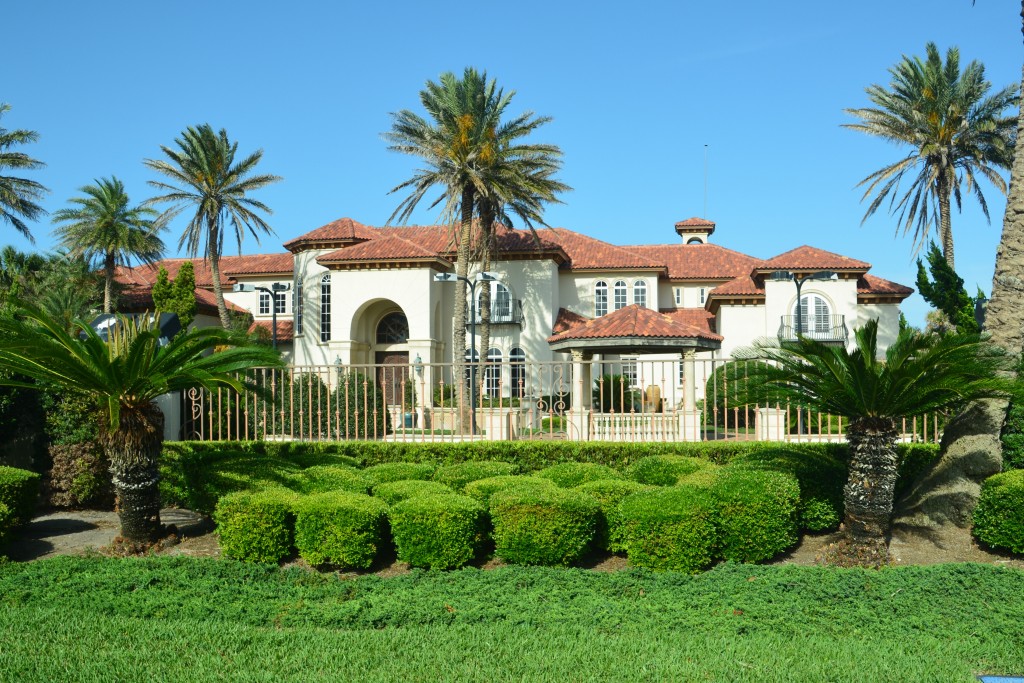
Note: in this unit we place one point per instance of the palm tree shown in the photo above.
(125, 376)
(957, 134)
(920, 373)
(203, 174)
(17, 270)
(103, 225)
(18, 196)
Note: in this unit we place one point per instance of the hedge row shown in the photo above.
(999, 516)
(19, 493)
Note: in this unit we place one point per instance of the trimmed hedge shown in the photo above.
(6, 523)
(19, 491)
(670, 528)
(257, 526)
(756, 514)
(398, 471)
(340, 528)
(999, 515)
(608, 494)
(542, 526)
(664, 470)
(396, 491)
(457, 476)
(483, 489)
(438, 531)
(328, 478)
(196, 477)
(571, 474)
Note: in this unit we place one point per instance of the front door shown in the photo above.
(392, 372)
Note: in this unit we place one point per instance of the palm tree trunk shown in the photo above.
(218, 292)
(459, 336)
(108, 285)
(945, 219)
(871, 485)
(133, 450)
(486, 225)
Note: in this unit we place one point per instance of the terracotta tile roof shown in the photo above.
(636, 321)
(388, 248)
(567, 319)
(812, 258)
(695, 222)
(230, 266)
(744, 285)
(284, 329)
(140, 298)
(697, 317)
(869, 284)
(335, 231)
(587, 253)
(697, 261)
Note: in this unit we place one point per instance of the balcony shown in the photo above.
(828, 329)
(503, 312)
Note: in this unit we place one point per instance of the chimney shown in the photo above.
(695, 230)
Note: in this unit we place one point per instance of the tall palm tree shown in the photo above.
(102, 225)
(957, 134)
(125, 376)
(202, 173)
(18, 196)
(919, 373)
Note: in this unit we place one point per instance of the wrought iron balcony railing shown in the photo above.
(503, 312)
(823, 328)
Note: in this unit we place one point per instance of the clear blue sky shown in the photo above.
(636, 91)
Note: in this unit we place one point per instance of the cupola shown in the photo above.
(695, 230)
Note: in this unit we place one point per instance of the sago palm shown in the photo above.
(202, 174)
(103, 225)
(125, 376)
(18, 196)
(957, 133)
(919, 373)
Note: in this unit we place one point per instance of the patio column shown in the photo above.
(688, 359)
(579, 410)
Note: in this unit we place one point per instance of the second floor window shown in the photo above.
(640, 293)
(297, 306)
(325, 307)
(280, 302)
(264, 303)
(620, 295)
(600, 298)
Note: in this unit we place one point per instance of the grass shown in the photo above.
(181, 619)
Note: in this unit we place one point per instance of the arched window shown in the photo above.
(517, 360)
(695, 240)
(492, 373)
(325, 307)
(600, 298)
(393, 329)
(814, 314)
(640, 293)
(620, 295)
(297, 305)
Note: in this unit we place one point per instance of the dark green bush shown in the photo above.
(6, 524)
(483, 489)
(999, 516)
(1013, 437)
(257, 526)
(914, 460)
(327, 478)
(196, 476)
(457, 476)
(609, 493)
(340, 528)
(542, 526)
(757, 514)
(393, 492)
(398, 471)
(663, 470)
(19, 491)
(612, 394)
(438, 531)
(670, 528)
(571, 474)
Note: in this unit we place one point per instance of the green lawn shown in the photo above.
(202, 620)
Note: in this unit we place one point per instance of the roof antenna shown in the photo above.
(705, 182)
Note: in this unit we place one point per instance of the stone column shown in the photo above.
(578, 415)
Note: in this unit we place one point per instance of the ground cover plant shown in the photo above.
(201, 620)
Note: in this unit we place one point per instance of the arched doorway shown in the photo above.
(391, 357)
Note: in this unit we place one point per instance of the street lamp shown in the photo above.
(480, 277)
(272, 293)
(820, 276)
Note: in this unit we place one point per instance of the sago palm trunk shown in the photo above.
(459, 336)
(133, 450)
(871, 485)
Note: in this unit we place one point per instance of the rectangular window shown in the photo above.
(629, 370)
(279, 302)
(703, 295)
(679, 296)
(264, 303)
(325, 308)
(297, 306)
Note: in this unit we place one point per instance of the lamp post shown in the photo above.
(820, 276)
(480, 277)
(272, 293)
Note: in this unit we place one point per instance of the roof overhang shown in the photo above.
(635, 345)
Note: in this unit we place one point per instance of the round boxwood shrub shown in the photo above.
(571, 474)
(608, 494)
(757, 514)
(396, 491)
(545, 526)
(438, 531)
(483, 489)
(398, 471)
(19, 491)
(328, 478)
(457, 476)
(340, 528)
(257, 526)
(999, 516)
(664, 470)
(670, 528)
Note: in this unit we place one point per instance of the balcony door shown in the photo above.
(814, 316)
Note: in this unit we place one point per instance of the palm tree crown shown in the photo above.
(202, 174)
(102, 225)
(956, 131)
(18, 196)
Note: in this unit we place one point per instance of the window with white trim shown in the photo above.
(703, 295)
(620, 295)
(297, 305)
(629, 370)
(679, 296)
(640, 293)
(264, 303)
(517, 360)
(600, 298)
(814, 315)
(492, 373)
(280, 303)
(325, 307)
